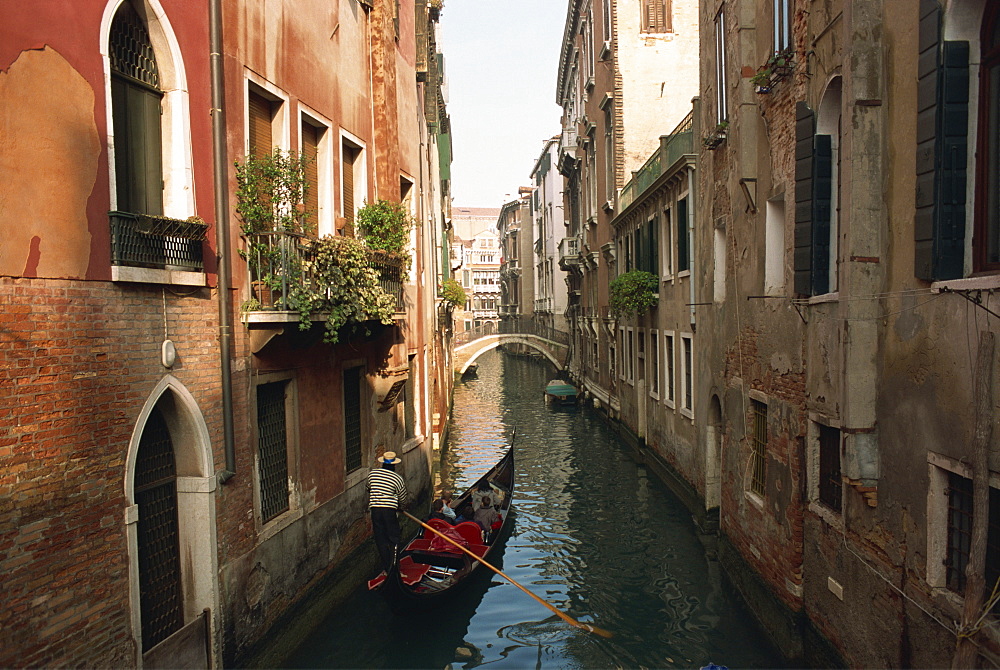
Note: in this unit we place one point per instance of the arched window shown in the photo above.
(160, 595)
(987, 233)
(136, 100)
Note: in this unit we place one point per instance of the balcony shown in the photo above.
(157, 249)
(569, 253)
(283, 265)
(673, 147)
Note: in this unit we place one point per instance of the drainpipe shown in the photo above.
(221, 173)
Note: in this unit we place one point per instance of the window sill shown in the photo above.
(826, 297)
(985, 282)
(687, 413)
(754, 499)
(831, 518)
(670, 403)
(278, 524)
(125, 273)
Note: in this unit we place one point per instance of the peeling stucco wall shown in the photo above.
(49, 149)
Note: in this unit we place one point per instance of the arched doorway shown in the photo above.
(170, 484)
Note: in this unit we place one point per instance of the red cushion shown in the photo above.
(471, 531)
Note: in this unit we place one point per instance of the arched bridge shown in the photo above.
(471, 344)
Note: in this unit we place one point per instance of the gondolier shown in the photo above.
(386, 495)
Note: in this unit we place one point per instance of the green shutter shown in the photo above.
(805, 130)
(683, 257)
(952, 159)
(821, 213)
(942, 150)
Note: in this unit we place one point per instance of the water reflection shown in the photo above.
(595, 535)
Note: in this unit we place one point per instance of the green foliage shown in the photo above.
(633, 292)
(385, 226)
(452, 292)
(343, 285)
(778, 65)
(270, 192)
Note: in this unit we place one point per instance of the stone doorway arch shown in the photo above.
(171, 414)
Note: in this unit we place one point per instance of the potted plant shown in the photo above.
(270, 192)
(716, 136)
(452, 293)
(343, 285)
(633, 292)
(385, 226)
(777, 67)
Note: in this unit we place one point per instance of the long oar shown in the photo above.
(565, 617)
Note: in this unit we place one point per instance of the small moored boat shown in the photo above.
(429, 567)
(561, 393)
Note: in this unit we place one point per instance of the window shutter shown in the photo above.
(683, 256)
(654, 247)
(259, 124)
(805, 129)
(348, 170)
(821, 214)
(310, 150)
(942, 149)
(952, 148)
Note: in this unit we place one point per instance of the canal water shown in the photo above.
(596, 535)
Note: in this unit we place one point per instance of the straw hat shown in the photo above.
(389, 457)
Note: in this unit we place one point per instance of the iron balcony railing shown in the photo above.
(280, 260)
(147, 241)
(678, 143)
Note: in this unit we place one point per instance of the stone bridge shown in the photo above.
(470, 345)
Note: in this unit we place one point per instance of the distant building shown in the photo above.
(517, 286)
(547, 214)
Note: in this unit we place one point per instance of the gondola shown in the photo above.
(429, 568)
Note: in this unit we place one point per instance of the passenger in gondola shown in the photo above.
(446, 509)
(465, 513)
(485, 489)
(437, 512)
(486, 516)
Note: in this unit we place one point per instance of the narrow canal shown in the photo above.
(595, 534)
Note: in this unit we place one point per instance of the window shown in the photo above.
(830, 484)
(641, 354)
(261, 112)
(719, 267)
(353, 181)
(687, 376)
(774, 247)
(630, 356)
(136, 109)
(655, 16)
(272, 449)
(814, 258)
(609, 153)
(721, 106)
(654, 364)
(352, 418)
(683, 254)
(621, 350)
(160, 597)
(987, 213)
(668, 244)
(959, 496)
(782, 25)
(668, 359)
(758, 446)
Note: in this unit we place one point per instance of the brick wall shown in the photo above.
(77, 362)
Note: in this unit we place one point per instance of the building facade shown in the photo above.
(177, 449)
(517, 279)
(627, 73)
(551, 293)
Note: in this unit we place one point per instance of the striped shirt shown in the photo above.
(386, 489)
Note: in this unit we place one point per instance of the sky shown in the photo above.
(501, 63)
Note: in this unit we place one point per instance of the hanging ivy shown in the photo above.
(633, 292)
(344, 285)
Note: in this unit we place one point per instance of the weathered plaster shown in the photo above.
(49, 149)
